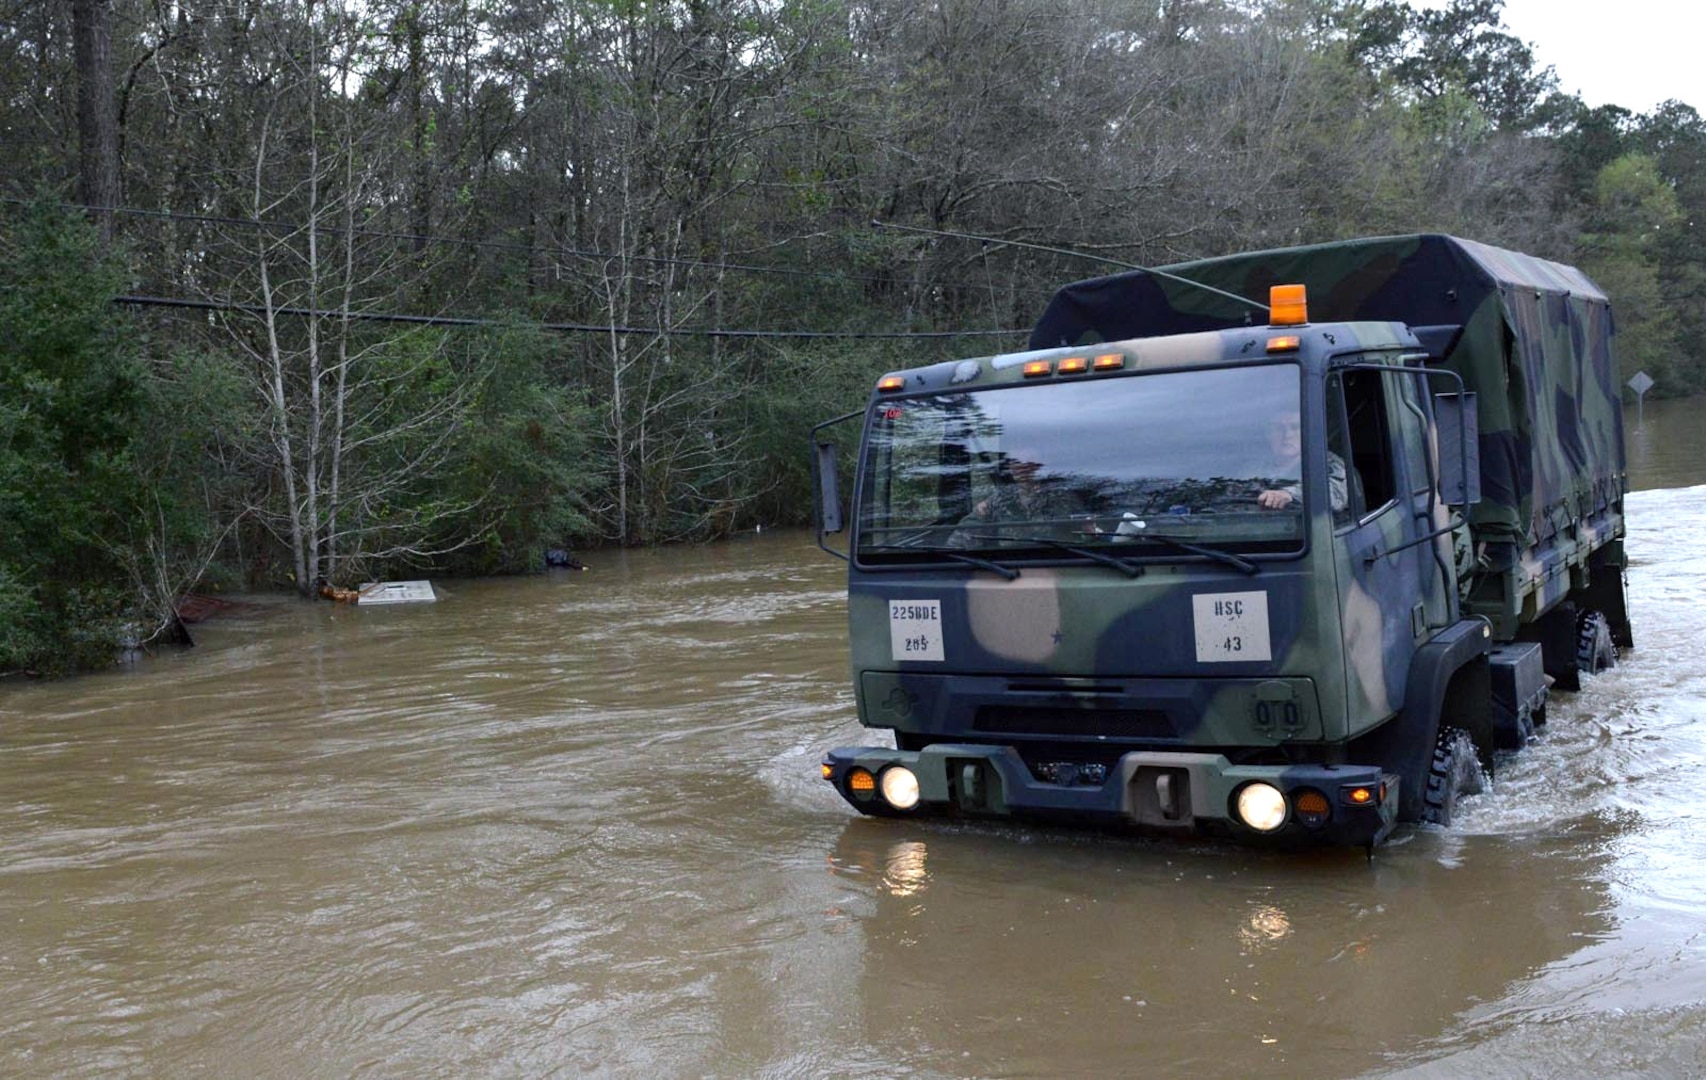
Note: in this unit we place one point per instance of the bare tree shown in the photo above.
(359, 419)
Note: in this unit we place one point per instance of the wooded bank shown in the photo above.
(437, 284)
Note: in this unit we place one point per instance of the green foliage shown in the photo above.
(523, 460)
(631, 162)
(1434, 52)
(69, 402)
(197, 422)
(23, 633)
(1674, 135)
(804, 387)
(1634, 209)
(1592, 139)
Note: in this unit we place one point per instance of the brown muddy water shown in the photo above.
(571, 825)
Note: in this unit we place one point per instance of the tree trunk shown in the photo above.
(97, 116)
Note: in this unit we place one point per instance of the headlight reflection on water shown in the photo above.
(1264, 926)
(906, 874)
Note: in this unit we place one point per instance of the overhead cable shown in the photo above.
(565, 328)
(495, 245)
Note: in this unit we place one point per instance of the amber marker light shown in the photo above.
(889, 383)
(1074, 365)
(828, 770)
(1311, 806)
(861, 782)
(1288, 305)
(1286, 343)
(1035, 368)
(1110, 362)
(1359, 796)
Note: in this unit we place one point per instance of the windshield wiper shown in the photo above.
(1008, 572)
(914, 538)
(1128, 568)
(1216, 554)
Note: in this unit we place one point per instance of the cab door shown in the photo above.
(1418, 466)
(1383, 581)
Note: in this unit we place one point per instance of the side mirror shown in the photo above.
(826, 487)
(828, 495)
(1459, 449)
(1438, 340)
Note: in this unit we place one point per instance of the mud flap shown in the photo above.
(1405, 746)
(1605, 595)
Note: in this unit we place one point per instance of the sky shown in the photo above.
(1633, 53)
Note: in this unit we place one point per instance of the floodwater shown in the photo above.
(572, 825)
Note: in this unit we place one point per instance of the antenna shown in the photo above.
(875, 224)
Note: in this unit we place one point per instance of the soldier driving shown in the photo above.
(1285, 444)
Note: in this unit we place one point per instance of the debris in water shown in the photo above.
(396, 592)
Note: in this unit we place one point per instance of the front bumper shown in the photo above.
(1191, 793)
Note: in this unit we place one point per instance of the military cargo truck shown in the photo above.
(1274, 572)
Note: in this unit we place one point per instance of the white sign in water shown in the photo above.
(397, 592)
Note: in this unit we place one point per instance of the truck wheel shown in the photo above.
(1594, 650)
(1455, 771)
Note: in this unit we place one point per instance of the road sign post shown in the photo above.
(1640, 382)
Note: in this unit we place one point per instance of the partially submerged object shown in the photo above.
(199, 607)
(561, 559)
(396, 592)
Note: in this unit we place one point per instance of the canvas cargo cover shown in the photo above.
(1536, 347)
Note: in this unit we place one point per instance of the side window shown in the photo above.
(1413, 422)
(1360, 438)
(1339, 448)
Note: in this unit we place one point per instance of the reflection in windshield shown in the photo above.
(1209, 457)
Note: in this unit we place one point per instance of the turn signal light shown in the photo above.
(1288, 305)
(1311, 807)
(861, 782)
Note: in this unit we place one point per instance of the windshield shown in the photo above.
(1210, 458)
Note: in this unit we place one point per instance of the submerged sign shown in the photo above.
(397, 592)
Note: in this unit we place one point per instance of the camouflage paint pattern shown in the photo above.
(1536, 348)
(1076, 664)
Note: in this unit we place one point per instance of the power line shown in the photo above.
(494, 245)
(566, 328)
(987, 240)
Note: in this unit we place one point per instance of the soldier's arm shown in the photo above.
(1338, 483)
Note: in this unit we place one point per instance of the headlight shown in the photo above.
(1261, 806)
(900, 787)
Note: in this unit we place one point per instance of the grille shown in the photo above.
(1043, 720)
